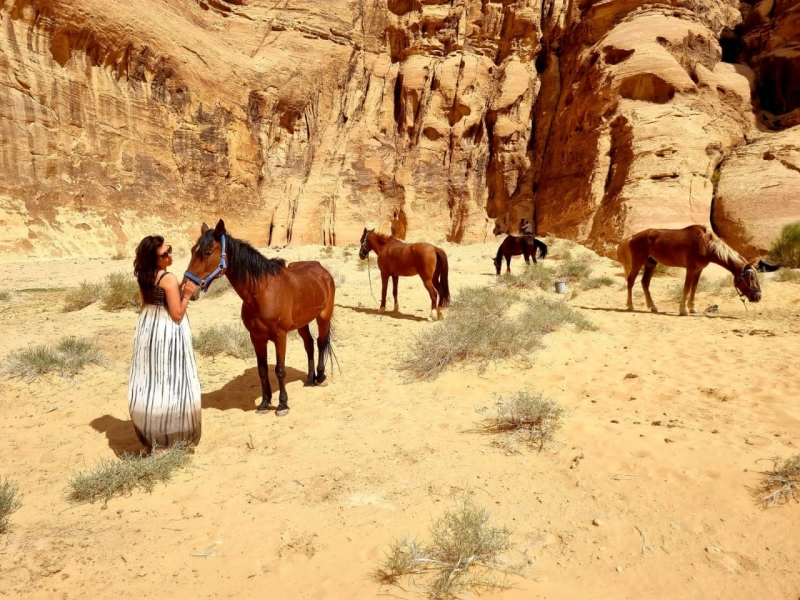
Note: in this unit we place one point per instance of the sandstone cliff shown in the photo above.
(301, 121)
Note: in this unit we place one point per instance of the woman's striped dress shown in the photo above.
(164, 390)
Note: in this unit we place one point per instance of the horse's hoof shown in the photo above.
(308, 383)
(693, 311)
(383, 309)
(323, 383)
(653, 310)
(629, 308)
(683, 313)
(263, 411)
(282, 412)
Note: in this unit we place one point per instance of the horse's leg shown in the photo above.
(687, 287)
(394, 292)
(508, 263)
(384, 288)
(649, 269)
(323, 347)
(432, 291)
(636, 266)
(695, 281)
(308, 342)
(527, 257)
(260, 347)
(280, 373)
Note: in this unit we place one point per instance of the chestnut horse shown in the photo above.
(692, 248)
(396, 258)
(276, 299)
(513, 245)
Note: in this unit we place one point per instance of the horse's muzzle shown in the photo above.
(755, 297)
(362, 256)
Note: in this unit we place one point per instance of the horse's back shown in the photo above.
(671, 247)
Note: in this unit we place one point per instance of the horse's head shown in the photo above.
(208, 260)
(746, 283)
(363, 252)
(498, 263)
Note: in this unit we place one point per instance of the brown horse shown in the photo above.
(396, 258)
(276, 299)
(692, 248)
(513, 245)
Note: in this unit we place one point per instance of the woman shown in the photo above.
(164, 390)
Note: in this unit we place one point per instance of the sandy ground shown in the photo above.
(305, 506)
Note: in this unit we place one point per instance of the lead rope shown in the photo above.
(369, 274)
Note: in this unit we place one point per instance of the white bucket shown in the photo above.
(561, 287)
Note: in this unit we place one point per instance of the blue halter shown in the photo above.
(206, 283)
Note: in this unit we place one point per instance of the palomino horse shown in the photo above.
(396, 258)
(276, 299)
(513, 245)
(692, 248)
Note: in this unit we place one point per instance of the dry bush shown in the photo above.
(118, 477)
(465, 555)
(120, 291)
(478, 329)
(596, 282)
(82, 296)
(785, 250)
(574, 269)
(781, 484)
(788, 275)
(530, 418)
(220, 286)
(534, 275)
(68, 358)
(9, 503)
(370, 262)
(223, 339)
(326, 251)
(664, 271)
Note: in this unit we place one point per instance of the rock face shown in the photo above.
(301, 122)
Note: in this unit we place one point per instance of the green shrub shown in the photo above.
(85, 294)
(117, 477)
(69, 357)
(785, 250)
(463, 556)
(9, 503)
(120, 291)
(224, 339)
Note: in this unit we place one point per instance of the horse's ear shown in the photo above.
(204, 227)
(219, 230)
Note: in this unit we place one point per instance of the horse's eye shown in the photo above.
(207, 253)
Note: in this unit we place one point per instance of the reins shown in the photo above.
(206, 283)
(741, 276)
(369, 274)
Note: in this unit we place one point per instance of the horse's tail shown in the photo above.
(326, 348)
(624, 255)
(542, 247)
(442, 285)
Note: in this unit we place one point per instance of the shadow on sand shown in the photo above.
(119, 433)
(659, 314)
(375, 311)
(244, 392)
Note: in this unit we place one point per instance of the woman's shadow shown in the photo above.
(242, 393)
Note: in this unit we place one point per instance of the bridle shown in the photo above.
(750, 273)
(363, 252)
(206, 283)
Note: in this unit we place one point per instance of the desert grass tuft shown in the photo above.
(9, 503)
(664, 271)
(82, 296)
(120, 477)
(594, 283)
(220, 286)
(530, 418)
(534, 275)
(788, 275)
(465, 555)
(224, 339)
(120, 291)
(327, 251)
(370, 262)
(574, 269)
(705, 286)
(785, 250)
(781, 484)
(5, 296)
(70, 355)
(479, 329)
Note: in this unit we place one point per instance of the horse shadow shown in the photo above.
(375, 311)
(647, 312)
(119, 433)
(244, 392)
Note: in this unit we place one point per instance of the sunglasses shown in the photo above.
(167, 253)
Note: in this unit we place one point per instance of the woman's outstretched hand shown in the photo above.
(188, 289)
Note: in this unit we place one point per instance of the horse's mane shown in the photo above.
(723, 251)
(244, 261)
(383, 236)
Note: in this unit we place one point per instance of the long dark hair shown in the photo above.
(145, 265)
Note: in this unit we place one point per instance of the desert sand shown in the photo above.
(645, 495)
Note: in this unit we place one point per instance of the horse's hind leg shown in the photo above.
(695, 281)
(432, 292)
(649, 269)
(687, 288)
(323, 348)
(636, 266)
(308, 343)
(260, 347)
(280, 373)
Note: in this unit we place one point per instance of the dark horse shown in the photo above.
(276, 299)
(396, 258)
(692, 248)
(513, 245)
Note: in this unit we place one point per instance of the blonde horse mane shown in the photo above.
(723, 251)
